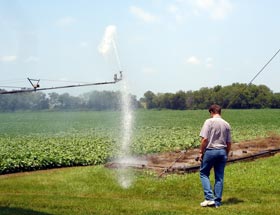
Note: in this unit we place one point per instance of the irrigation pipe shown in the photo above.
(168, 168)
(36, 86)
(195, 168)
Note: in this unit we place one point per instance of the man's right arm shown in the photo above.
(203, 145)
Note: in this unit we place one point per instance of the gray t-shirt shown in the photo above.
(217, 132)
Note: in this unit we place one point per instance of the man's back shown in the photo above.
(217, 131)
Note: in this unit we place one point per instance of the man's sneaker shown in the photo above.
(206, 203)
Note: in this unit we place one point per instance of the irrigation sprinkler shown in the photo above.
(36, 87)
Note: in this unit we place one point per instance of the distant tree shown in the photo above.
(149, 98)
(261, 96)
(178, 101)
(38, 101)
(69, 102)
(24, 101)
(235, 96)
(203, 98)
(134, 102)
(275, 100)
(105, 100)
(189, 99)
(163, 100)
(109, 100)
(54, 102)
(243, 96)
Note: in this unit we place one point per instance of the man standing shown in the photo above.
(214, 148)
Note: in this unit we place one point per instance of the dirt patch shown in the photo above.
(185, 161)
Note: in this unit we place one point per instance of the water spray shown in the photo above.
(116, 53)
(124, 174)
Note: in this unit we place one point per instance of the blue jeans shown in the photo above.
(213, 158)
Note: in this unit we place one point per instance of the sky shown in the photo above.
(162, 46)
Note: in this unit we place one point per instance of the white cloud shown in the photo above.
(176, 12)
(149, 70)
(205, 4)
(193, 60)
(66, 21)
(217, 9)
(31, 59)
(222, 10)
(9, 58)
(208, 62)
(143, 15)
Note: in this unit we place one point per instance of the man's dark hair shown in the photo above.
(216, 109)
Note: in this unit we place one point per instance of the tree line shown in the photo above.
(95, 100)
(235, 96)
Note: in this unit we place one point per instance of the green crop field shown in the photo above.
(42, 140)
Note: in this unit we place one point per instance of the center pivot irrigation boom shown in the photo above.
(36, 87)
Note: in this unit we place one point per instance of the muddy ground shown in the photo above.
(185, 161)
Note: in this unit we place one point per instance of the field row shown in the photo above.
(31, 141)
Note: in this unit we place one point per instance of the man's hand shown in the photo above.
(200, 157)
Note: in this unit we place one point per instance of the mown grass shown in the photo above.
(250, 188)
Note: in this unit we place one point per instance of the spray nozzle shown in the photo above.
(116, 79)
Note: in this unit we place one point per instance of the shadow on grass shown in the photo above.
(19, 211)
(232, 201)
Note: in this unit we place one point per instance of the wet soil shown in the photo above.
(186, 161)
